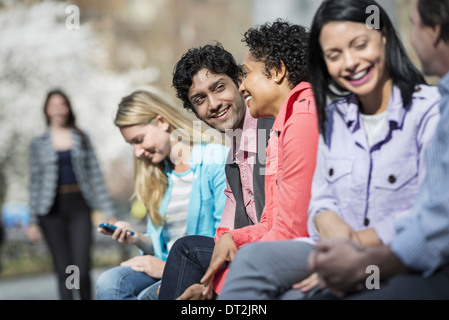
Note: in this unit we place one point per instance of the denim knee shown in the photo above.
(108, 283)
(185, 244)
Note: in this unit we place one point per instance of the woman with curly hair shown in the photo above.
(274, 85)
(370, 161)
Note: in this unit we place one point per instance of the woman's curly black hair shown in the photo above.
(213, 57)
(281, 41)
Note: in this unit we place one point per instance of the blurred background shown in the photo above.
(97, 51)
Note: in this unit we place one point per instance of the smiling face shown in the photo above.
(216, 100)
(258, 88)
(151, 141)
(355, 57)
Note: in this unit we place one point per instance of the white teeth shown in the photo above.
(222, 113)
(359, 75)
(248, 98)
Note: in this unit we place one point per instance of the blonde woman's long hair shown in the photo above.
(141, 108)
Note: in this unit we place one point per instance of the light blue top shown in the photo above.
(422, 241)
(207, 198)
(372, 186)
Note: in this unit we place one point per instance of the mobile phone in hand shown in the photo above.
(111, 228)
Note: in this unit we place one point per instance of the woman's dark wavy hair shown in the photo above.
(71, 120)
(404, 74)
(281, 41)
(212, 57)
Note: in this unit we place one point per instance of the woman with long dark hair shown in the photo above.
(370, 160)
(66, 183)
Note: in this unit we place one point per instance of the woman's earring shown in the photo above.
(276, 80)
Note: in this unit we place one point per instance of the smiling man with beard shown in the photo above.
(207, 81)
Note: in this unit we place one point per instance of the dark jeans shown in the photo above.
(68, 232)
(186, 264)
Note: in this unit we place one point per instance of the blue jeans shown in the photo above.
(123, 283)
(186, 264)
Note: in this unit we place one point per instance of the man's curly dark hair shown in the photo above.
(277, 42)
(212, 57)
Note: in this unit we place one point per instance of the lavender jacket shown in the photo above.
(373, 187)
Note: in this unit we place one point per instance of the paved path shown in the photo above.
(40, 287)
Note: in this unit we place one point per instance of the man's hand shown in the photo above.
(194, 292)
(224, 251)
(340, 264)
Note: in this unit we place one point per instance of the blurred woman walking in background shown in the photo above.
(66, 183)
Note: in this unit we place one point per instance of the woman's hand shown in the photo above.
(224, 251)
(152, 266)
(123, 233)
(33, 233)
(307, 284)
(330, 225)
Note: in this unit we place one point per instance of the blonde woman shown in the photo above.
(178, 178)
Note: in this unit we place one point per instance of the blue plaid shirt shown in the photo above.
(422, 240)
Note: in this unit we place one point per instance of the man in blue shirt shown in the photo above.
(416, 263)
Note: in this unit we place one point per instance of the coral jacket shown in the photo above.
(291, 161)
